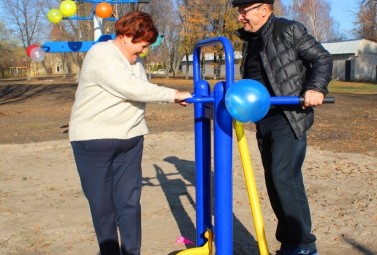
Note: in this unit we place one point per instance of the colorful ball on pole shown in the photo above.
(28, 49)
(37, 54)
(158, 41)
(247, 100)
(54, 16)
(104, 10)
(144, 53)
(68, 8)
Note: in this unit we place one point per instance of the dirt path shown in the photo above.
(43, 211)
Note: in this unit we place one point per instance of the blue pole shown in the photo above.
(223, 208)
(223, 174)
(203, 164)
(294, 100)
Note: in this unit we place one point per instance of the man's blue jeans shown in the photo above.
(110, 174)
(282, 157)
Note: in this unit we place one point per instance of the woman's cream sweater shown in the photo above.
(111, 96)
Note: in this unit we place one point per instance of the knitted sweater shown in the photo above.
(111, 96)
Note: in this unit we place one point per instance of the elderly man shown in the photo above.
(283, 56)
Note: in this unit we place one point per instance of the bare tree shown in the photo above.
(315, 15)
(204, 19)
(167, 25)
(26, 17)
(9, 50)
(279, 8)
(188, 36)
(222, 22)
(26, 20)
(366, 20)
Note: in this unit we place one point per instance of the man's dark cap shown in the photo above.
(237, 3)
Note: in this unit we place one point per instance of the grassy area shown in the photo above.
(353, 87)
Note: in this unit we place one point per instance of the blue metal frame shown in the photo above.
(211, 106)
(65, 47)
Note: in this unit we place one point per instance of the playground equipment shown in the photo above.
(223, 143)
(227, 100)
(102, 10)
(211, 106)
(54, 15)
(68, 8)
(35, 53)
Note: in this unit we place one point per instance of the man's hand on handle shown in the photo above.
(312, 98)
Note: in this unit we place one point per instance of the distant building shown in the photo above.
(17, 71)
(54, 64)
(354, 60)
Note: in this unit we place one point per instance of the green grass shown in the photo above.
(352, 87)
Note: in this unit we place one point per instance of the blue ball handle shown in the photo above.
(294, 100)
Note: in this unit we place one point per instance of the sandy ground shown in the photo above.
(43, 210)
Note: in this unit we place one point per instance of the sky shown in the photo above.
(342, 11)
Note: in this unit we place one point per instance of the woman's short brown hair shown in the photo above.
(138, 25)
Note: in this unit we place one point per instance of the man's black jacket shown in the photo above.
(294, 62)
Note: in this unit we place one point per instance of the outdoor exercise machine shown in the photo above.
(243, 101)
(210, 106)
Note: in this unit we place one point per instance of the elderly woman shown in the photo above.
(106, 131)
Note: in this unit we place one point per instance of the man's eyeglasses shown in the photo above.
(244, 11)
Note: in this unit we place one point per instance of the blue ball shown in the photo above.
(247, 100)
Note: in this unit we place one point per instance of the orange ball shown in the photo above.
(104, 10)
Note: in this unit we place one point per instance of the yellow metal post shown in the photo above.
(251, 187)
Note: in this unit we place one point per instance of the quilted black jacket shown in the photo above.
(294, 62)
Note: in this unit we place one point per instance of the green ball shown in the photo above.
(54, 16)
